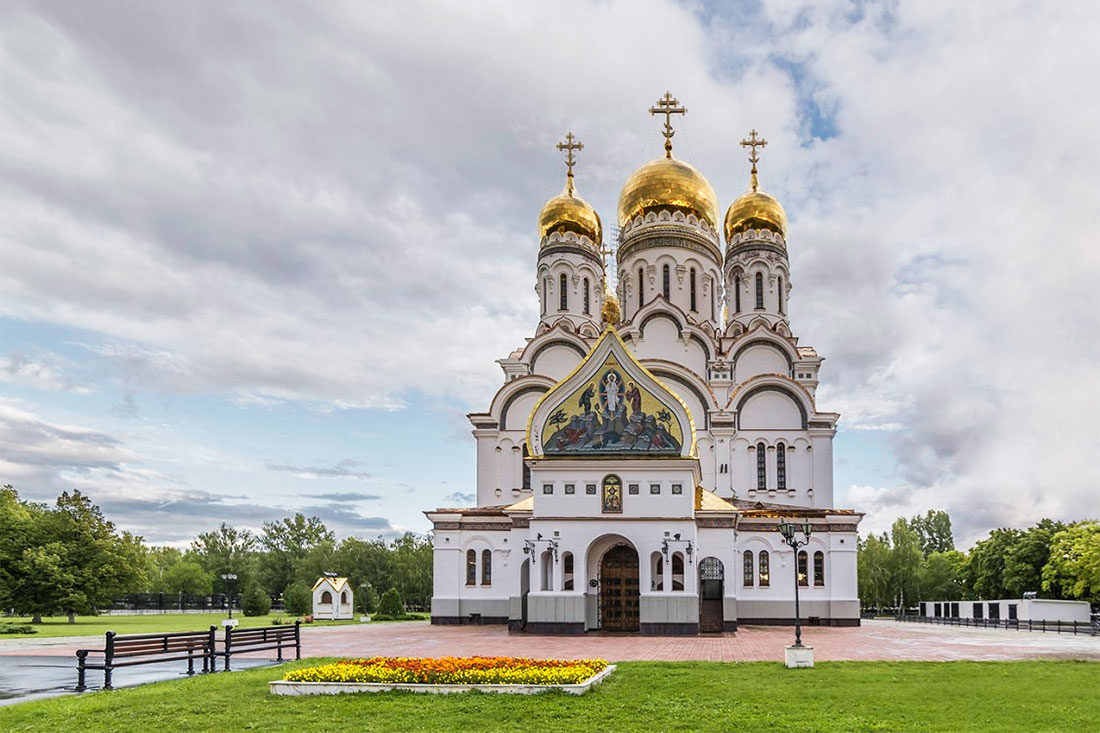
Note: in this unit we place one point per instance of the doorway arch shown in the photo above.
(620, 603)
(712, 590)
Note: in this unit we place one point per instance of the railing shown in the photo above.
(1061, 627)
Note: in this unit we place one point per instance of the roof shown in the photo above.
(708, 501)
(338, 584)
(768, 509)
(474, 511)
(523, 505)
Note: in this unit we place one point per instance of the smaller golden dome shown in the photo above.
(568, 212)
(668, 183)
(755, 210)
(611, 311)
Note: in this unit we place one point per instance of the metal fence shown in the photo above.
(172, 603)
(1091, 628)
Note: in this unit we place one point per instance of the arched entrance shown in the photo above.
(711, 590)
(619, 593)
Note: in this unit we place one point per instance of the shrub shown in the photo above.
(368, 599)
(255, 602)
(298, 600)
(391, 603)
(17, 629)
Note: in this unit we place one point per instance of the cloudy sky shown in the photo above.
(258, 258)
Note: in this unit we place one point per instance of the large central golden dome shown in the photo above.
(668, 183)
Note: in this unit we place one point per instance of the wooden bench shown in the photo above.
(134, 649)
(238, 641)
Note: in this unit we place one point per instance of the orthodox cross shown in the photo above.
(571, 143)
(668, 106)
(753, 142)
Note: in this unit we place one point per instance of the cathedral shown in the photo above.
(647, 442)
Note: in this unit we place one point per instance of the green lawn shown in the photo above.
(640, 696)
(146, 624)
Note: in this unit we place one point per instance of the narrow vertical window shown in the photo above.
(803, 570)
(761, 468)
(781, 466)
(677, 571)
(563, 296)
(759, 290)
(819, 568)
(486, 567)
(712, 304)
(665, 281)
(641, 287)
(471, 567)
(737, 294)
(780, 296)
(587, 298)
(526, 469)
(567, 571)
(765, 569)
(545, 294)
(748, 571)
(693, 290)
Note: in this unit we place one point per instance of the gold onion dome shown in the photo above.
(568, 212)
(755, 209)
(668, 183)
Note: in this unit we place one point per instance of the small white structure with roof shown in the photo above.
(333, 598)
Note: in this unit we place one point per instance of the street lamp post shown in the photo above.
(798, 655)
(229, 578)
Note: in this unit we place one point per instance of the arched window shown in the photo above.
(471, 567)
(761, 467)
(486, 567)
(657, 571)
(326, 597)
(760, 291)
(545, 294)
(344, 597)
(641, 287)
(737, 294)
(819, 568)
(748, 571)
(781, 466)
(567, 570)
(587, 298)
(780, 296)
(677, 571)
(612, 494)
(563, 295)
(664, 281)
(547, 567)
(692, 278)
(803, 571)
(765, 569)
(713, 300)
(526, 469)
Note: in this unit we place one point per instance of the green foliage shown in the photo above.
(1074, 562)
(941, 576)
(391, 603)
(639, 696)
(227, 550)
(256, 602)
(298, 599)
(367, 599)
(934, 531)
(17, 629)
(286, 545)
(188, 576)
(906, 557)
(874, 571)
(1026, 557)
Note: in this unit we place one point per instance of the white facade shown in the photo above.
(333, 599)
(726, 442)
(1015, 609)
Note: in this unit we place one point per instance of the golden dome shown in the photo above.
(610, 310)
(568, 212)
(668, 183)
(755, 210)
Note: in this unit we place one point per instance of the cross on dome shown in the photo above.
(571, 143)
(668, 106)
(753, 142)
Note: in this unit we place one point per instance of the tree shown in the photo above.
(1024, 560)
(1074, 564)
(905, 564)
(942, 576)
(391, 603)
(256, 602)
(934, 531)
(298, 599)
(286, 543)
(985, 574)
(187, 576)
(874, 571)
(158, 561)
(367, 599)
(412, 566)
(226, 550)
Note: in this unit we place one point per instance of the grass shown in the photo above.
(145, 624)
(640, 696)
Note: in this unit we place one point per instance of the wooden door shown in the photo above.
(619, 591)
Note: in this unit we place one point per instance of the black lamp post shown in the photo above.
(788, 530)
(229, 578)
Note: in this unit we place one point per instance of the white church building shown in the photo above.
(647, 442)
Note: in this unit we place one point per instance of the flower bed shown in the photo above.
(445, 674)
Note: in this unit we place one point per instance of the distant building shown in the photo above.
(333, 599)
(1016, 609)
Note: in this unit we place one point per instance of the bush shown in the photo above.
(255, 602)
(368, 599)
(391, 603)
(17, 629)
(298, 600)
